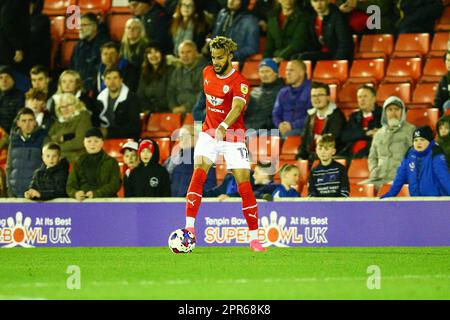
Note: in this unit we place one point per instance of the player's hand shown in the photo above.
(90, 194)
(220, 133)
(80, 195)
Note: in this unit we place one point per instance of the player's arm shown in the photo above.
(237, 107)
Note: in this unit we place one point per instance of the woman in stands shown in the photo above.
(190, 22)
(134, 42)
(155, 73)
(73, 120)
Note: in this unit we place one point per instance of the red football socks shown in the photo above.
(249, 206)
(194, 193)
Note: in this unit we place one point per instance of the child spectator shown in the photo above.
(95, 174)
(443, 140)
(49, 181)
(36, 100)
(130, 157)
(329, 178)
(24, 153)
(424, 168)
(289, 174)
(149, 178)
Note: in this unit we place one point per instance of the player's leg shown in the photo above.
(205, 155)
(249, 206)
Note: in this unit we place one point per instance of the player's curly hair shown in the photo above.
(224, 43)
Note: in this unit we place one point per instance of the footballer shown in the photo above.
(223, 132)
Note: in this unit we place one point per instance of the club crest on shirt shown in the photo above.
(412, 166)
(154, 182)
(244, 88)
(226, 89)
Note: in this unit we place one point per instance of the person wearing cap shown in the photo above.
(11, 99)
(156, 21)
(95, 174)
(149, 178)
(390, 143)
(286, 31)
(262, 98)
(424, 168)
(130, 157)
(293, 101)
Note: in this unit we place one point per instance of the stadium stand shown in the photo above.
(264, 148)
(434, 70)
(423, 96)
(401, 90)
(164, 145)
(57, 7)
(113, 147)
(375, 46)
(404, 70)
(367, 70)
(439, 45)
(412, 45)
(423, 117)
(362, 190)
(116, 24)
(358, 170)
(331, 71)
(161, 125)
(290, 147)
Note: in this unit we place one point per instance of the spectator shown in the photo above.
(11, 99)
(262, 10)
(323, 118)
(289, 174)
(293, 101)
(130, 158)
(73, 120)
(329, 178)
(261, 180)
(418, 16)
(149, 178)
(86, 54)
(70, 82)
(110, 57)
(237, 23)
(49, 181)
(121, 108)
(329, 36)
(442, 98)
(134, 42)
(443, 139)
(286, 32)
(41, 80)
(24, 153)
(14, 32)
(95, 174)
(36, 100)
(186, 80)
(390, 143)
(262, 99)
(40, 38)
(190, 23)
(155, 20)
(155, 75)
(357, 17)
(4, 140)
(424, 168)
(180, 165)
(362, 125)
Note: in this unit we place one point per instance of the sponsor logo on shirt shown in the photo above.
(214, 100)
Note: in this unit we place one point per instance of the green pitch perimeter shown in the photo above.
(225, 273)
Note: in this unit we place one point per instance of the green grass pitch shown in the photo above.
(225, 273)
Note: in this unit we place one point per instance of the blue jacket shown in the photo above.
(281, 192)
(244, 30)
(291, 105)
(426, 173)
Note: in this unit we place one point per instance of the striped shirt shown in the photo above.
(328, 181)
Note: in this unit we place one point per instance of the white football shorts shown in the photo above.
(235, 153)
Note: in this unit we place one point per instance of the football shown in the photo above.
(181, 241)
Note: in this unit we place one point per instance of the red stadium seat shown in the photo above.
(303, 165)
(404, 191)
(264, 148)
(444, 21)
(251, 72)
(66, 51)
(164, 145)
(423, 96)
(290, 147)
(439, 46)
(188, 119)
(113, 147)
(57, 27)
(116, 25)
(434, 70)
(282, 68)
(358, 170)
(331, 71)
(367, 70)
(423, 117)
(57, 7)
(96, 6)
(412, 45)
(362, 190)
(404, 70)
(375, 46)
(401, 90)
(162, 125)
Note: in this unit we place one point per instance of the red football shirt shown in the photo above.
(220, 92)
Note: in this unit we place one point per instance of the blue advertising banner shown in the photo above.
(282, 224)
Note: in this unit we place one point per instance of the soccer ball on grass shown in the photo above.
(181, 241)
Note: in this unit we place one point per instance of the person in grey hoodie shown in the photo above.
(390, 143)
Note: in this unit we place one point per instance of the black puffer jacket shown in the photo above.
(11, 102)
(51, 183)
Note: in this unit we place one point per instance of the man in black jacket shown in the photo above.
(11, 99)
(86, 54)
(329, 35)
(120, 114)
(362, 125)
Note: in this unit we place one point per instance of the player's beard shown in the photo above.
(224, 68)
